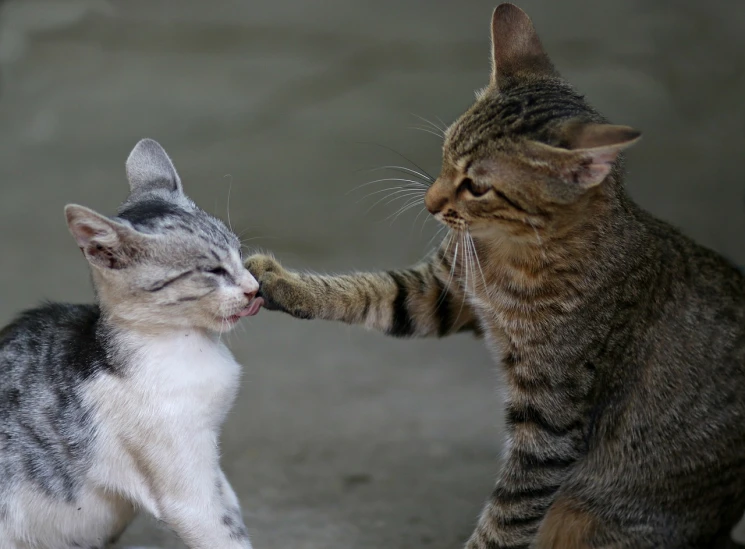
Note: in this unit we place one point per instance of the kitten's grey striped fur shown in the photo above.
(113, 407)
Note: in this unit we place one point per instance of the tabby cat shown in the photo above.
(110, 408)
(622, 341)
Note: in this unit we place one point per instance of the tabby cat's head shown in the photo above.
(162, 261)
(530, 149)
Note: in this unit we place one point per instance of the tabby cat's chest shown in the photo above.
(526, 314)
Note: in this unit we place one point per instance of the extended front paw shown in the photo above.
(281, 289)
(259, 265)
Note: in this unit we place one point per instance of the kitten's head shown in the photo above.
(162, 262)
(530, 151)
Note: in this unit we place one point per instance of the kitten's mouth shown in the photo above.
(251, 309)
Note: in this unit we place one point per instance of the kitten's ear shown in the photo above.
(149, 168)
(104, 242)
(516, 48)
(590, 152)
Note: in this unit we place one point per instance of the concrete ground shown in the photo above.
(340, 438)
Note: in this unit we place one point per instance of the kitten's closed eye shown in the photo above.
(218, 271)
(469, 186)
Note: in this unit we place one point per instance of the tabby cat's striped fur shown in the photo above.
(622, 341)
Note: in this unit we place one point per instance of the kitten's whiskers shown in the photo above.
(230, 187)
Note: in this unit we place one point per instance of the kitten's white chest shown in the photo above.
(168, 405)
(165, 409)
(188, 373)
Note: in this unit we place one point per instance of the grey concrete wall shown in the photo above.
(340, 438)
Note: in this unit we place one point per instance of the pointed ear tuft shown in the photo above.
(104, 242)
(150, 168)
(516, 48)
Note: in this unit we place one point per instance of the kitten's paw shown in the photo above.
(281, 289)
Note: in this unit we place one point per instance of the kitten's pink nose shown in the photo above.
(249, 286)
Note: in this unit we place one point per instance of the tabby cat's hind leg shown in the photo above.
(570, 525)
(567, 526)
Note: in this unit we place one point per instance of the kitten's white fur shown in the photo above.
(156, 449)
(156, 419)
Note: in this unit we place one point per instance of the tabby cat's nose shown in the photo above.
(434, 203)
(437, 196)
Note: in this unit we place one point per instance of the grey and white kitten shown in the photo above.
(110, 408)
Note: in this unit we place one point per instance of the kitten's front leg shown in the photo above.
(233, 518)
(215, 522)
(192, 495)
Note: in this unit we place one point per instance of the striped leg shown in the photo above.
(525, 491)
(417, 301)
(546, 439)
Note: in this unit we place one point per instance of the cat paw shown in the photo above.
(259, 265)
(281, 289)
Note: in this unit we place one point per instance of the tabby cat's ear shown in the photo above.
(149, 168)
(516, 48)
(104, 242)
(589, 153)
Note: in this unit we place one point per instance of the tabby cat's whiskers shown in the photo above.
(427, 130)
(403, 169)
(465, 262)
(475, 256)
(412, 183)
(440, 131)
(424, 172)
(416, 201)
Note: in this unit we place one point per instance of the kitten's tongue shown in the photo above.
(253, 307)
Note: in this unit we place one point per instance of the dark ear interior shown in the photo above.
(516, 48)
(104, 242)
